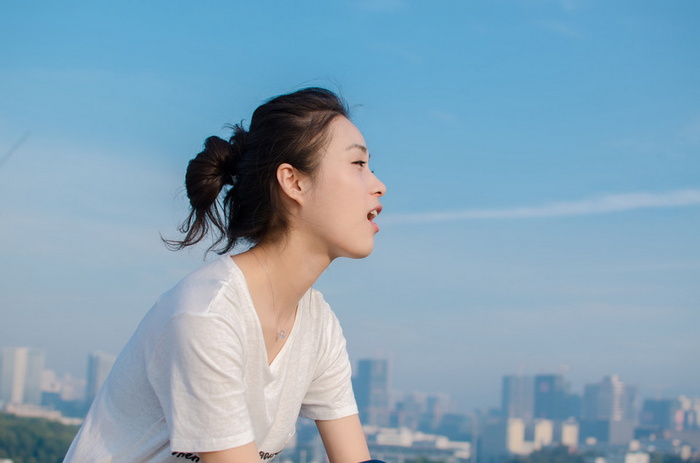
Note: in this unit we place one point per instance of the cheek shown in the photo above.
(337, 191)
(339, 194)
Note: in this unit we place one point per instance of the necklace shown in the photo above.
(280, 334)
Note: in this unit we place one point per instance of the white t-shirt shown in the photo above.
(195, 377)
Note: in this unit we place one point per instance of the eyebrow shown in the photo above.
(362, 148)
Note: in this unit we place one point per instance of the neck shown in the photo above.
(292, 268)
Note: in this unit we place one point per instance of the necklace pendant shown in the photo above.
(282, 334)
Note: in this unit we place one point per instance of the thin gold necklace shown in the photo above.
(280, 334)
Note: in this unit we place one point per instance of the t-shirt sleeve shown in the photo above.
(196, 370)
(330, 395)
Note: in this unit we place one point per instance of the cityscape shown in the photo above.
(608, 421)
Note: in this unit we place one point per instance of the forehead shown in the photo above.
(345, 136)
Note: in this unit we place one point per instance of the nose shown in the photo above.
(378, 188)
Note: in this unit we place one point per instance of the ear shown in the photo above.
(292, 182)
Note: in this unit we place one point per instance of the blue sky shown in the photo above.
(542, 160)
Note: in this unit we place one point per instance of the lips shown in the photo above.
(371, 215)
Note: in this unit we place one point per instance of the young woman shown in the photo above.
(224, 363)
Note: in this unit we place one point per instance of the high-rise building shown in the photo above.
(608, 411)
(688, 414)
(502, 438)
(21, 371)
(517, 397)
(435, 407)
(551, 397)
(371, 385)
(407, 412)
(611, 399)
(658, 414)
(98, 368)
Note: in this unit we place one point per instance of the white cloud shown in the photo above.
(599, 205)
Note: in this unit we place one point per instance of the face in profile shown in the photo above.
(344, 200)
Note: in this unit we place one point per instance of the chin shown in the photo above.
(362, 253)
(358, 252)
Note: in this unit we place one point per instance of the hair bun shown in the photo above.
(209, 172)
(223, 157)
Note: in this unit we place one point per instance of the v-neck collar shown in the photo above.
(248, 300)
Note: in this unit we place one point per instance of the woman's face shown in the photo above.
(344, 199)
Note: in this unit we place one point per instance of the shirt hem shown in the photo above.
(210, 445)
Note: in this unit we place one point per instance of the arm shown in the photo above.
(344, 439)
(244, 454)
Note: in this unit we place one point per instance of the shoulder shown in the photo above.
(214, 293)
(318, 310)
(319, 319)
(216, 288)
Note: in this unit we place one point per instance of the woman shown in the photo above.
(224, 363)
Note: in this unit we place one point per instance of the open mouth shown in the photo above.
(372, 214)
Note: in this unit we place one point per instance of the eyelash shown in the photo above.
(362, 164)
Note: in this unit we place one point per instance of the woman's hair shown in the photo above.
(291, 128)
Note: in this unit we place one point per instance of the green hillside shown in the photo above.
(34, 440)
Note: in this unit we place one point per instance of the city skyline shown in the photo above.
(541, 163)
(369, 374)
(536, 413)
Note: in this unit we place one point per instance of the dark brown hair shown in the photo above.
(291, 128)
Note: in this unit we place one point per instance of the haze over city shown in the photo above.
(541, 160)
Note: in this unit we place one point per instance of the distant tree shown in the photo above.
(34, 440)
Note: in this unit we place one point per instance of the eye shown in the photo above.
(360, 163)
